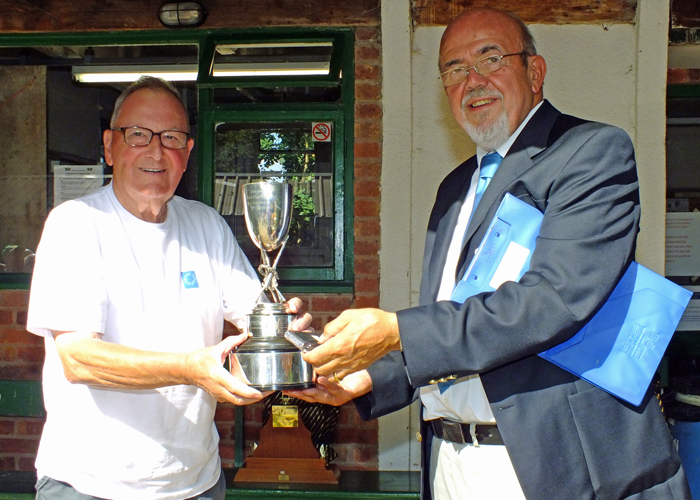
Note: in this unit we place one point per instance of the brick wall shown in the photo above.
(21, 358)
(21, 354)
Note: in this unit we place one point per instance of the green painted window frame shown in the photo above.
(339, 279)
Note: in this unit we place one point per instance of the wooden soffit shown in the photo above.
(100, 15)
(441, 12)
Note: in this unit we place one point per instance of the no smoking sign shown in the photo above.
(321, 132)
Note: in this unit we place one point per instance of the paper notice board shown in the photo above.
(73, 181)
(682, 244)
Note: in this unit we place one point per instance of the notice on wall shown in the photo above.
(683, 244)
(73, 181)
(691, 316)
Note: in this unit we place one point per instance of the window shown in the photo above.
(262, 104)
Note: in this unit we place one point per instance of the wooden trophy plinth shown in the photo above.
(286, 455)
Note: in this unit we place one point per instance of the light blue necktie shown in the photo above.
(489, 164)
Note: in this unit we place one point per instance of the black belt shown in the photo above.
(457, 432)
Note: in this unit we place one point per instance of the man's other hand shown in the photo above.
(353, 341)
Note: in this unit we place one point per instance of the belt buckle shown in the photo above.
(452, 431)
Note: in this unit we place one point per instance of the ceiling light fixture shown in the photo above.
(188, 72)
(182, 14)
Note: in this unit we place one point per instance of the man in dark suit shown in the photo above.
(498, 421)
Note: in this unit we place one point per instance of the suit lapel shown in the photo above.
(454, 199)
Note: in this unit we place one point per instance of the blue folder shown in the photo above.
(620, 348)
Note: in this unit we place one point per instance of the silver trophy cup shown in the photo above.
(267, 360)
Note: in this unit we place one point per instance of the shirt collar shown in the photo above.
(503, 148)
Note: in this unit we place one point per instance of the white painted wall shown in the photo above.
(611, 73)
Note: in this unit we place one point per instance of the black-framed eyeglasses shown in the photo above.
(483, 67)
(142, 136)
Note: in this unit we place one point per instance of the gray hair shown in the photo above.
(528, 40)
(151, 83)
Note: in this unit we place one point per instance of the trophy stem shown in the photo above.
(270, 274)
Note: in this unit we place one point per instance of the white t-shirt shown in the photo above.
(163, 287)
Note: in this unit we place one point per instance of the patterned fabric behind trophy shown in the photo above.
(321, 420)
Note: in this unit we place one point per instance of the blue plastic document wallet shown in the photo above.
(621, 347)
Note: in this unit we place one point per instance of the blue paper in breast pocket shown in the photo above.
(504, 253)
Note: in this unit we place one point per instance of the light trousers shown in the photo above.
(468, 472)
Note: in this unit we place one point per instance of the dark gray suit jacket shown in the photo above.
(566, 438)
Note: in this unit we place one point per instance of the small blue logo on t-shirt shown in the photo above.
(189, 279)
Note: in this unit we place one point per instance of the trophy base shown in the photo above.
(284, 387)
(271, 364)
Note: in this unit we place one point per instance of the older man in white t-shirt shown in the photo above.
(130, 290)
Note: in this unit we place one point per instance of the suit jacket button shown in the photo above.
(452, 377)
(433, 382)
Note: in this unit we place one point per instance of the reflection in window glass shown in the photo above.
(289, 152)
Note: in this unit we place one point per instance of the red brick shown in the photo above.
(20, 372)
(30, 427)
(225, 413)
(7, 427)
(368, 130)
(227, 451)
(6, 318)
(355, 435)
(27, 463)
(8, 352)
(31, 354)
(367, 188)
(367, 285)
(362, 301)
(366, 33)
(362, 150)
(22, 318)
(17, 336)
(319, 322)
(367, 265)
(367, 208)
(10, 445)
(225, 431)
(366, 247)
(254, 412)
(367, 52)
(364, 110)
(14, 298)
(348, 415)
(7, 463)
(368, 168)
(367, 72)
(332, 303)
(367, 227)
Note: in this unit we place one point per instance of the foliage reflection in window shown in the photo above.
(246, 152)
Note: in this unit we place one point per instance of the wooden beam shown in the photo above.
(441, 12)
(107, 15)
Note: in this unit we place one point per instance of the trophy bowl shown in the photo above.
(268, 211)
(267, 360)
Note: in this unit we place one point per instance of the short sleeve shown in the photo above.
(67, 290)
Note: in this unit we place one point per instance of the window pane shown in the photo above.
(52, 134)
(245, 152)
(272, 59)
